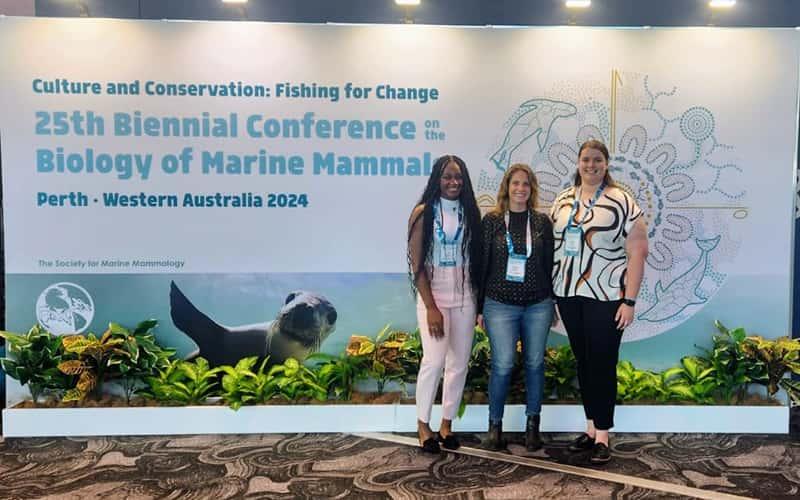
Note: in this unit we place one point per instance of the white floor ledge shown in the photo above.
(374, 418)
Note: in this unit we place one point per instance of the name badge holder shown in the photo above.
(573, 237)
(447, 255)
(573, 233)
(515, 268)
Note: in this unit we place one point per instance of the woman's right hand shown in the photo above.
(435, 323)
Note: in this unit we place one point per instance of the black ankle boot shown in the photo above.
(494, 438)
(533, 441)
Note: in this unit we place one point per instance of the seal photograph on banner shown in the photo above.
(301, 325)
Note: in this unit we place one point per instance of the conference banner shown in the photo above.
(214, 175)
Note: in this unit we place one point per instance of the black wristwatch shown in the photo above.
(629, 302)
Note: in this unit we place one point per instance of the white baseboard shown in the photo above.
(36, 422)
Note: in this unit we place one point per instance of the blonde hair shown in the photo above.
(502, 194)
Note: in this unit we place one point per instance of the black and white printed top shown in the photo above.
(537, 285)
(599, 269)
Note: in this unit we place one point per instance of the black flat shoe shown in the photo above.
(450, 441)
(582, 443)
(430, 445)
(600, 454)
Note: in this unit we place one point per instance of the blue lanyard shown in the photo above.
(439, 223)
(528, 238)
(588, 210)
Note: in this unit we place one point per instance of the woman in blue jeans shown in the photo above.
(516, 298)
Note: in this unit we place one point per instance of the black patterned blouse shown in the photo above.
(537, 285)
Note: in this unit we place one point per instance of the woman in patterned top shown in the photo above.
(518, 304)
(600, 249)
(444, 245)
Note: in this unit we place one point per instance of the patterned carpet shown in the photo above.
(338, 465)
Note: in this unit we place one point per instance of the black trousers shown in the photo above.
(595, 340)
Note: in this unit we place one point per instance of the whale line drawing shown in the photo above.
(532, 117)
(684, 290)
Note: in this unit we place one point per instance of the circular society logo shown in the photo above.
(65, 308)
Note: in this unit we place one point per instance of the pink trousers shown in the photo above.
(449, 354)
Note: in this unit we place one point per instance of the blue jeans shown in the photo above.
(505, 325)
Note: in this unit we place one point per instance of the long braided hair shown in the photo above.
(470, 243)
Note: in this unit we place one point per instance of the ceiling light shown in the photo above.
(721, 4)
(578, 4)
(234, 1)
(407, 2)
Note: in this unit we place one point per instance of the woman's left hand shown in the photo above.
(624, 316)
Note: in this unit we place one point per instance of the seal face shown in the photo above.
(307, 318)
(302, 324)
